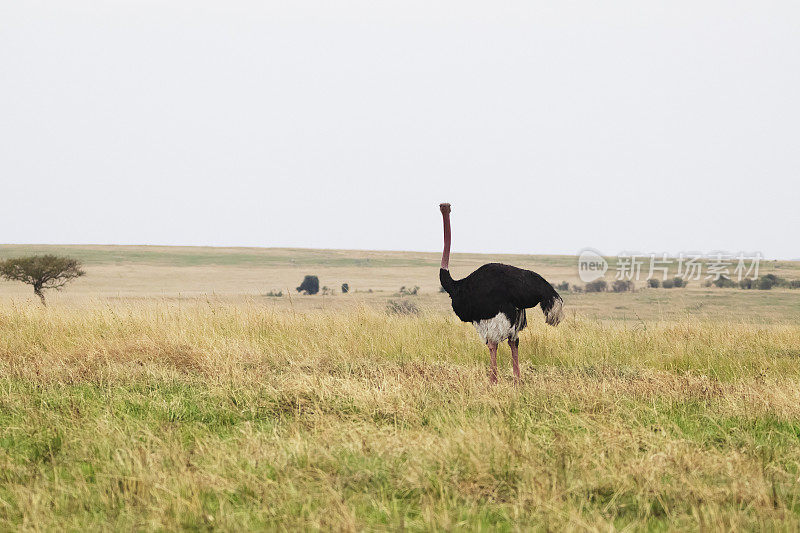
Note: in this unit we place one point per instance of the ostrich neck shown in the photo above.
(446, 251)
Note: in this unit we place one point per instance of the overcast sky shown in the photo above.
(550, 126)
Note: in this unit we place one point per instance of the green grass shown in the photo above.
(182, 456)
(162, 391)
(234, 417)
(188, 256)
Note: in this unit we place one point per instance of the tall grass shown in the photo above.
(205, 416)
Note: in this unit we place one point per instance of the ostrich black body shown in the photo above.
(497, 288)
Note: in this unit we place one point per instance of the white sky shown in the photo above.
(550, 126)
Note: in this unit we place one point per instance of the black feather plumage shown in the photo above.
(497, 288)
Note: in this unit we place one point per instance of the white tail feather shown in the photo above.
(556, 312)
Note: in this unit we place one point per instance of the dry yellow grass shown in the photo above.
(202, 415)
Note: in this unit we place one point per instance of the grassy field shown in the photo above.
(137, 400)
(247, 275)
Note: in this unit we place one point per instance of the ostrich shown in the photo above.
(494, 299)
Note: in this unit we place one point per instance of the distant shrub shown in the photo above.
(771, 280)
(576, 288)
(345, 288)
(622, 285)
(668, 283)
(326, 291)
(598, 285)
(746, 283)
(402, 307)
(765, 283)
(794, 284)
(409, 291)
(310, 285)
(723, 282)
(274, 294)
(563, 286)
(653, 283)
(678, 282)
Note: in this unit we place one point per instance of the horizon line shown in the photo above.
(669, 256)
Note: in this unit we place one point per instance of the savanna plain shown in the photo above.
(195, 389)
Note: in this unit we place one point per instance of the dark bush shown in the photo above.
(723, 282)
(563, 286)
(678, 282)
(598, 285)
(766, 283)
(668, 283)
(345, 288)
(653, 283)
(775, 281)
(622, 285)
(794, 284)
(310, 285)
(274, 294)
(746, 283)
(406, 291)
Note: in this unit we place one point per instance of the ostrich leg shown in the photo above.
(493, 370)
(515, 356)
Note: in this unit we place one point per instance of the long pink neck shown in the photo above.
(446, 251)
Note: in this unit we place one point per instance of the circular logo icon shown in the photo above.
(591, 265)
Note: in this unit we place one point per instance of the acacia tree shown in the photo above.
(41, 271)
